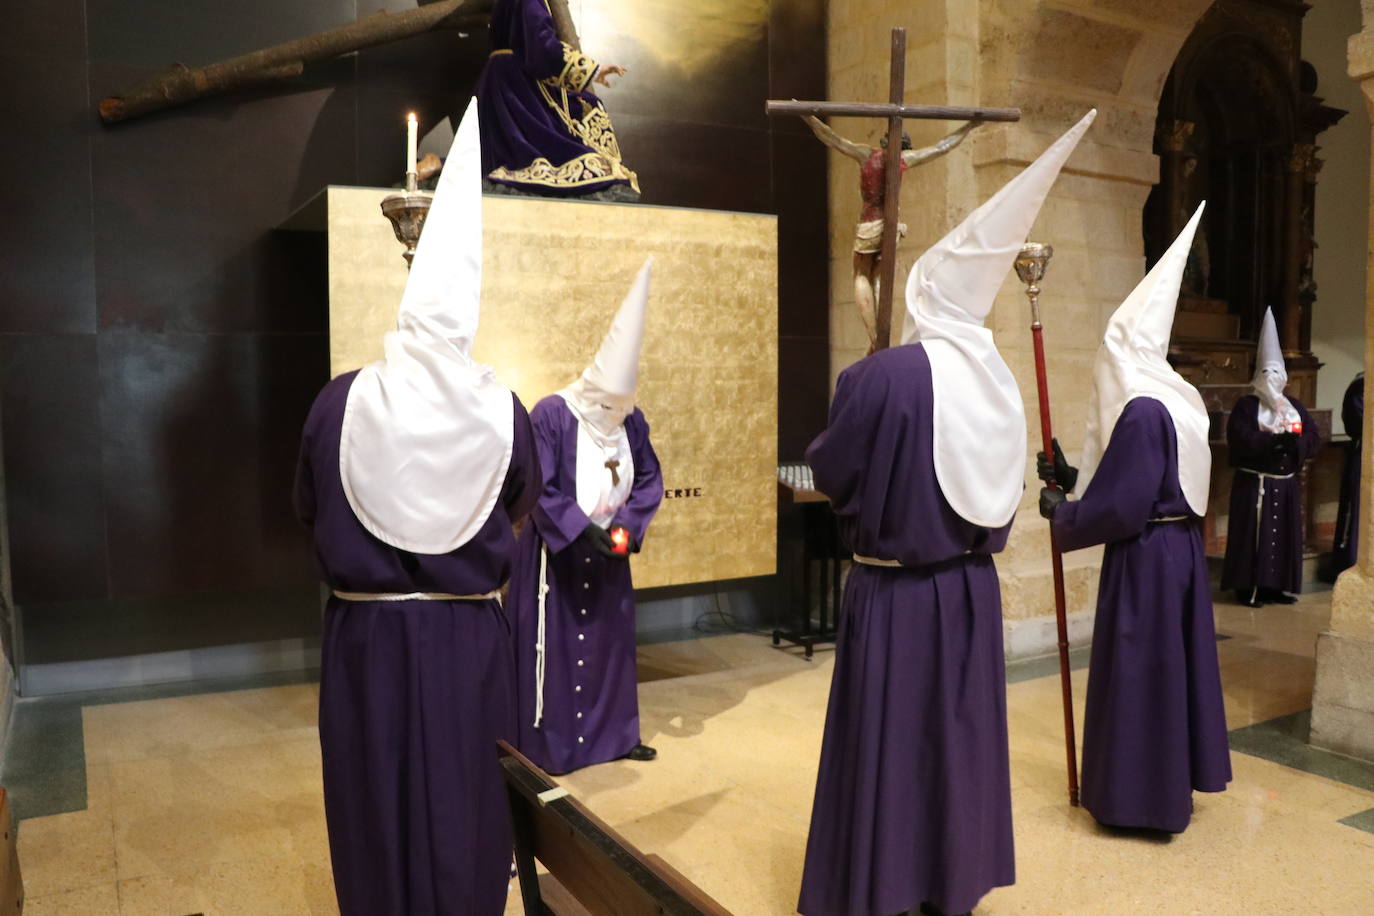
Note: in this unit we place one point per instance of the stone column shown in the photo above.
(1343, 700)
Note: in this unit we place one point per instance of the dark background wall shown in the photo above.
(160, 343)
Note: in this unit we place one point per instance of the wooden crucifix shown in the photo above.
(882, 272)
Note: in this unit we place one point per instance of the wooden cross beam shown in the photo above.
(895, 111)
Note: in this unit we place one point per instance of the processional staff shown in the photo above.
(1030, 267)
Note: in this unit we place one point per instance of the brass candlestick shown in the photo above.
(1031, 263)
(407, 212)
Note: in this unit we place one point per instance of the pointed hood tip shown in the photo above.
(952, 281)
(443, 288)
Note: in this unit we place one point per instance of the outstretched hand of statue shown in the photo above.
(607, 71)
(914, 157)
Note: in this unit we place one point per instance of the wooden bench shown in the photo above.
(593, 871)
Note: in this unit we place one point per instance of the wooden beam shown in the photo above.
(892, 190)
(879, 110)
(180, 84)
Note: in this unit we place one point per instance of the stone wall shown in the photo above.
(1343, 698)
(1054, 60)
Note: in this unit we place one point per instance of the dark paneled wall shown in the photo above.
(160, 344)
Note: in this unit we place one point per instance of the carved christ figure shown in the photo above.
(869, 233)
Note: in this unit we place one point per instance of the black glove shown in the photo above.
(596, 538)
(1285, 441)
(1050, 500)
(1060, 472)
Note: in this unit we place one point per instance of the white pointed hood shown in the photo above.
(1132, 362)
(977, 405)
(1276, 412)
(604, 395)
(427, 432)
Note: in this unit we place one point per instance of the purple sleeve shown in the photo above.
(523, 478)
(1310, 441)
(303, 493)
(1118, 501)
(831, 454)
(557, 517)
(303, 496)
(540, 51)
(1352, 409)
(647, 491)
(1248, 445)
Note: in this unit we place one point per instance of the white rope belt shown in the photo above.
(1265, 476)
(1259, 519)
(872, 561)
(411, 596)
(1170, 518)
(539, 653)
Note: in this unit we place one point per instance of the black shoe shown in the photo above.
(641, 752)
(1274, 596)
(930, 909)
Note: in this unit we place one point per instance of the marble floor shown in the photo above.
(211, 803)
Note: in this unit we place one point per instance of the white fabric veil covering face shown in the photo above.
(427, 432)
(979, 418)
(1276, 413)
(1132, 362)
(604, 395)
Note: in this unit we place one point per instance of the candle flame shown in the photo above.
(411, 117)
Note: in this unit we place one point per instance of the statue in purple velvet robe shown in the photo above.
(544, 131)
(1347, 541)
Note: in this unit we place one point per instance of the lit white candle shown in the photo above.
(412, 134)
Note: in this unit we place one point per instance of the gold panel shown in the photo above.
(554, 272)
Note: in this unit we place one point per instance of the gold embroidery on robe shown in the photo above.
(578, 70)
(589, 168)
(594, 129)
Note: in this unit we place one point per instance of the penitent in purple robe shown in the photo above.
(1155, 726)
(913, 796)
(591, 694)
(543, 130)
(413, 694)
(1347, 540)
(1264, 542)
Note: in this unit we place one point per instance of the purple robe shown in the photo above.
(591, 693)
(413, 694)
(1264, 545)
(543, 130)
(1155, 727)
(1347, 540)
(913, 795)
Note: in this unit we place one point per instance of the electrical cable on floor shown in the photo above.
(719, 619)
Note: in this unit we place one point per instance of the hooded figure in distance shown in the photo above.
(412, 470)
(1269, 436)
(571, 597)
(1155, 727)
(923, 461)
